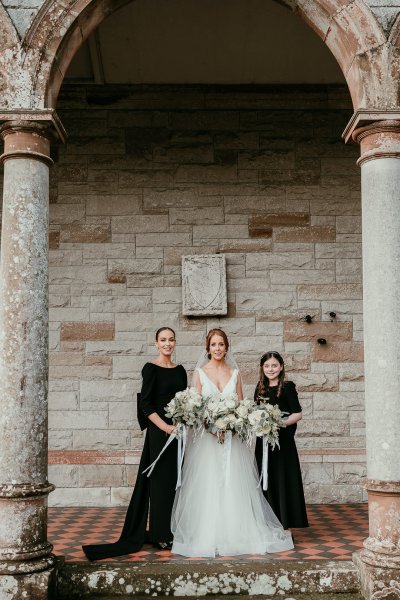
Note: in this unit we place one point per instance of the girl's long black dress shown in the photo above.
(155, 493)
(285, 487)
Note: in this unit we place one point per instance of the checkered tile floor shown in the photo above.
(335, 532)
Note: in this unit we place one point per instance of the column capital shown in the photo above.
(364, 117)
(28, 134)
(378, 134)
(44, 120)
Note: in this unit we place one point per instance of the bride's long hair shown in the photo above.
(261, 390)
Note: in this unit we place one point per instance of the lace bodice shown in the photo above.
(208, 387)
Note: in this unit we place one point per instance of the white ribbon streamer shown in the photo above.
(181, 453)
(264, 464)
(227, 455)
(179, 433)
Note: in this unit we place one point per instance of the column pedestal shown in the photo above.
(26, 562)
(379, 561)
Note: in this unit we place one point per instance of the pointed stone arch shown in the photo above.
(347, 27)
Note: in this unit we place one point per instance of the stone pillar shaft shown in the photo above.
(379, 562)
(24, 548)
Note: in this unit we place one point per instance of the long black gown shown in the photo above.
(285, 486)
(154, 494)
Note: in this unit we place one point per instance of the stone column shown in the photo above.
(26, 562)
(379, 561)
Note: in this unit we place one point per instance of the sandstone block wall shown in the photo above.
(151, 174)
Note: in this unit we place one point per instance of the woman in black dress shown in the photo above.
(285, 487)
(162, 379)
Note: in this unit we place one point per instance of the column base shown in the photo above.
(32, 586)
(377, 582)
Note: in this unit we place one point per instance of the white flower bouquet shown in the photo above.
(265, 420)
(220, 415)
(186, 408)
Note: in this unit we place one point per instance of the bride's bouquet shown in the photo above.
(186, 408)
(265, 420)
(227, 414)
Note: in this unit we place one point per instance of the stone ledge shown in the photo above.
(198, 578)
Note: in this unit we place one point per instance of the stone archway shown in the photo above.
(349, 30)
(32, 81)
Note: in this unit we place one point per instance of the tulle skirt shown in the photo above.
(219, 510)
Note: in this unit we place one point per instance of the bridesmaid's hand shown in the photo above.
(169, 429)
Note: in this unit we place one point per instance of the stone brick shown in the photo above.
(338, 401)
(78, 419)
(134, 265)
(306, 234)
(121, 415)
(279, 260)
(67, 213)
(140, 224)
(87, 331)
(101, 475)
(330, 292)
(343, 250)
(302, 331)
(206, 173)
(313, 382)
(301, 276)
(60, 439)
(197, 216)
(73, 275)
(271, 199)
(163, 239)
(348, 270)
(86, 233)
(65, 358)
(261, 225)
(63, 475)
(68, 313)
(65, 256)
(311, 428)
(205, 120)
(54, 240)
(86, 496)
(343, 352)
(245, 246)
(117, 278)
(127, 204)
(101, 439)
(264, 301)
(173, 256)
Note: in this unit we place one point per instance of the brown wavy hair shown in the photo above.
(210, 334)
(262, 387)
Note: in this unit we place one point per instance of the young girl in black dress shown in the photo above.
(285, 487)
(153, 496)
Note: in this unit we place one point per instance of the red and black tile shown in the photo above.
(335, 532)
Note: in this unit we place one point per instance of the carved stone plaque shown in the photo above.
(204, 285)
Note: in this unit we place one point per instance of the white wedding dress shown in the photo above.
(218, 515)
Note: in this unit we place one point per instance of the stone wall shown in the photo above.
(151, 174)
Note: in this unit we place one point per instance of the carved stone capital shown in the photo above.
(28, 134)
(377, 133)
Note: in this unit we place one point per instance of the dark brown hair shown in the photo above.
(216, 331)
(263, 382)
(164, 329)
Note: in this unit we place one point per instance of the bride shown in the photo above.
(214, 513)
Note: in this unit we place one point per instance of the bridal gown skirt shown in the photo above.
(220, 513)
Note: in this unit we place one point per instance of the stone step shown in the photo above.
(295, 596)
(295, 579)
